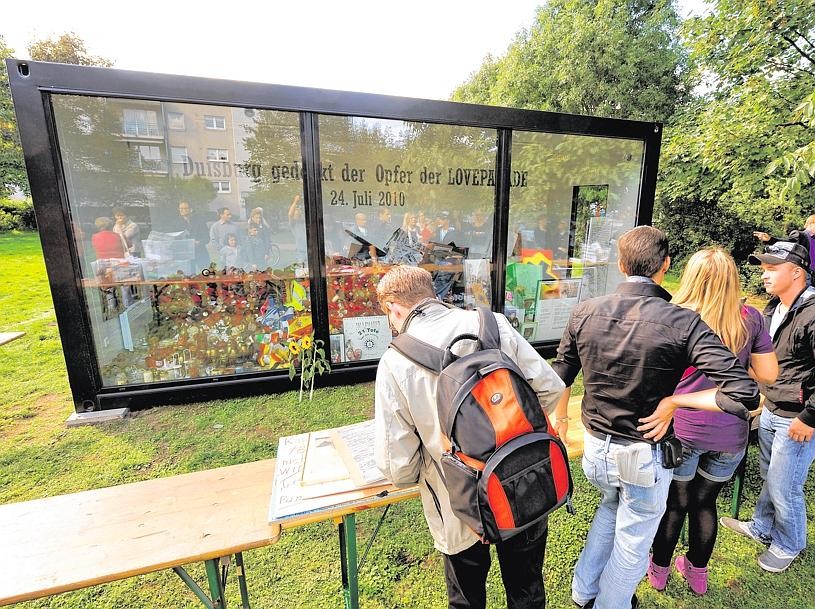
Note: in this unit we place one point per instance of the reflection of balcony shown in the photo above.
(154, 165)
(141, 129)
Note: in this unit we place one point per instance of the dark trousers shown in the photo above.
(521, 560)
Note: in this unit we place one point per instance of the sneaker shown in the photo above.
(772, 562)
(695, 576)
(657, 576)
(742, 528)
(635, 602)
(588, 605)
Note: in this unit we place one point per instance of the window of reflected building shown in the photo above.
(398, 192)
(582, 193)
(191, 243)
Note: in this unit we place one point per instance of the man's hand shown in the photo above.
(800, 431)
(657, 425)
(761, 236)
(562, 428)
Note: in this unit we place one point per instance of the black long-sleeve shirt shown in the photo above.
(633, 347)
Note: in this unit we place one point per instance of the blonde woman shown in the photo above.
(716, 440)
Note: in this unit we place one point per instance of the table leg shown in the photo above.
(242, 580)
(738, 487)
(348, 561)
(216, 588)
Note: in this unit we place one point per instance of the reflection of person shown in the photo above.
(425, 230)
(445, 233)
(252, 251)
(633, 347)
(129, 231)
(106, 243)
(408, 445)
(219, 232)
(544, 234)
(717, 440)
(196, 229)
(479, 236)
(785, 433)
(262, 229)
(297, 226)
(229, 252)
(411, 228)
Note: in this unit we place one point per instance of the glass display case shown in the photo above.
(198, 232)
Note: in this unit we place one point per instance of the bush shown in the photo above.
(16, 214)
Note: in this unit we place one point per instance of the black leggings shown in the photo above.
(697, 499)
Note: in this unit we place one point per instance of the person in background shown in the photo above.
(544, 233)
(787, 424)
(633, 347)
(129, 231)
(219, 232)
(408, 442)
(105, 242)
(196, 229)
(717, 440)
(809, 231)
(229, 253)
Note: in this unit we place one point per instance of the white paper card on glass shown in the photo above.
(369, 337)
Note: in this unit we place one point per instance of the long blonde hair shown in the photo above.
(710, 286)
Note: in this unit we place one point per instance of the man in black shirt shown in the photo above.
(633, 346)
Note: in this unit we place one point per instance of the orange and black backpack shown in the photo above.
(504, 467)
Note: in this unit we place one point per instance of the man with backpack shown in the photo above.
(414, 447)
(633, 347)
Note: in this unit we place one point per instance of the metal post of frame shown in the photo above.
(348, 561)
(501, 223)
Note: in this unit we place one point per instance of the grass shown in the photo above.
(39, 457)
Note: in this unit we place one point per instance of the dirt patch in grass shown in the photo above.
(40, 418)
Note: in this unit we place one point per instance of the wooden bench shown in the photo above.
(83, 539)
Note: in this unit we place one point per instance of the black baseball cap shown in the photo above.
(781, 252)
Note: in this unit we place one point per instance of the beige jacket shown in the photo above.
(408, 435)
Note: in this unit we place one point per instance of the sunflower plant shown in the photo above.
(310, 355)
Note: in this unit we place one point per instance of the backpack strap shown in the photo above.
(419, 352)
(488, 332)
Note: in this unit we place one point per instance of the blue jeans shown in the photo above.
(781, 516)
(615, 557)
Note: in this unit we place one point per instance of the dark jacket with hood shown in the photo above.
(793, 392)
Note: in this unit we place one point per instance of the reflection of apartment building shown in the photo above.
(201, 143)
(182, 141)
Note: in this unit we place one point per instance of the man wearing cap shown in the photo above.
(809, 231)
(785, 434)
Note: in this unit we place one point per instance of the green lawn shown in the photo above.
(39, 456)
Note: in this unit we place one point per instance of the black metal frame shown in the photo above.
(32, 84)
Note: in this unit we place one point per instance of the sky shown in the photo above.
(421, 48)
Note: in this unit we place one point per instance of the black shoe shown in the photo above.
(588, 605)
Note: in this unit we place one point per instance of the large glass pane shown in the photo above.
(397, 192)
(189, 227)
(581, 193)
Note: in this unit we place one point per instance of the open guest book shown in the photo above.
(321, 469)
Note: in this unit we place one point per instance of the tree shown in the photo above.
(12, 167)
(68, 48)
(617, 58)
(757, 59)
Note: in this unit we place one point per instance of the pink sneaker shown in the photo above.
(657, 576)
(695, 576)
